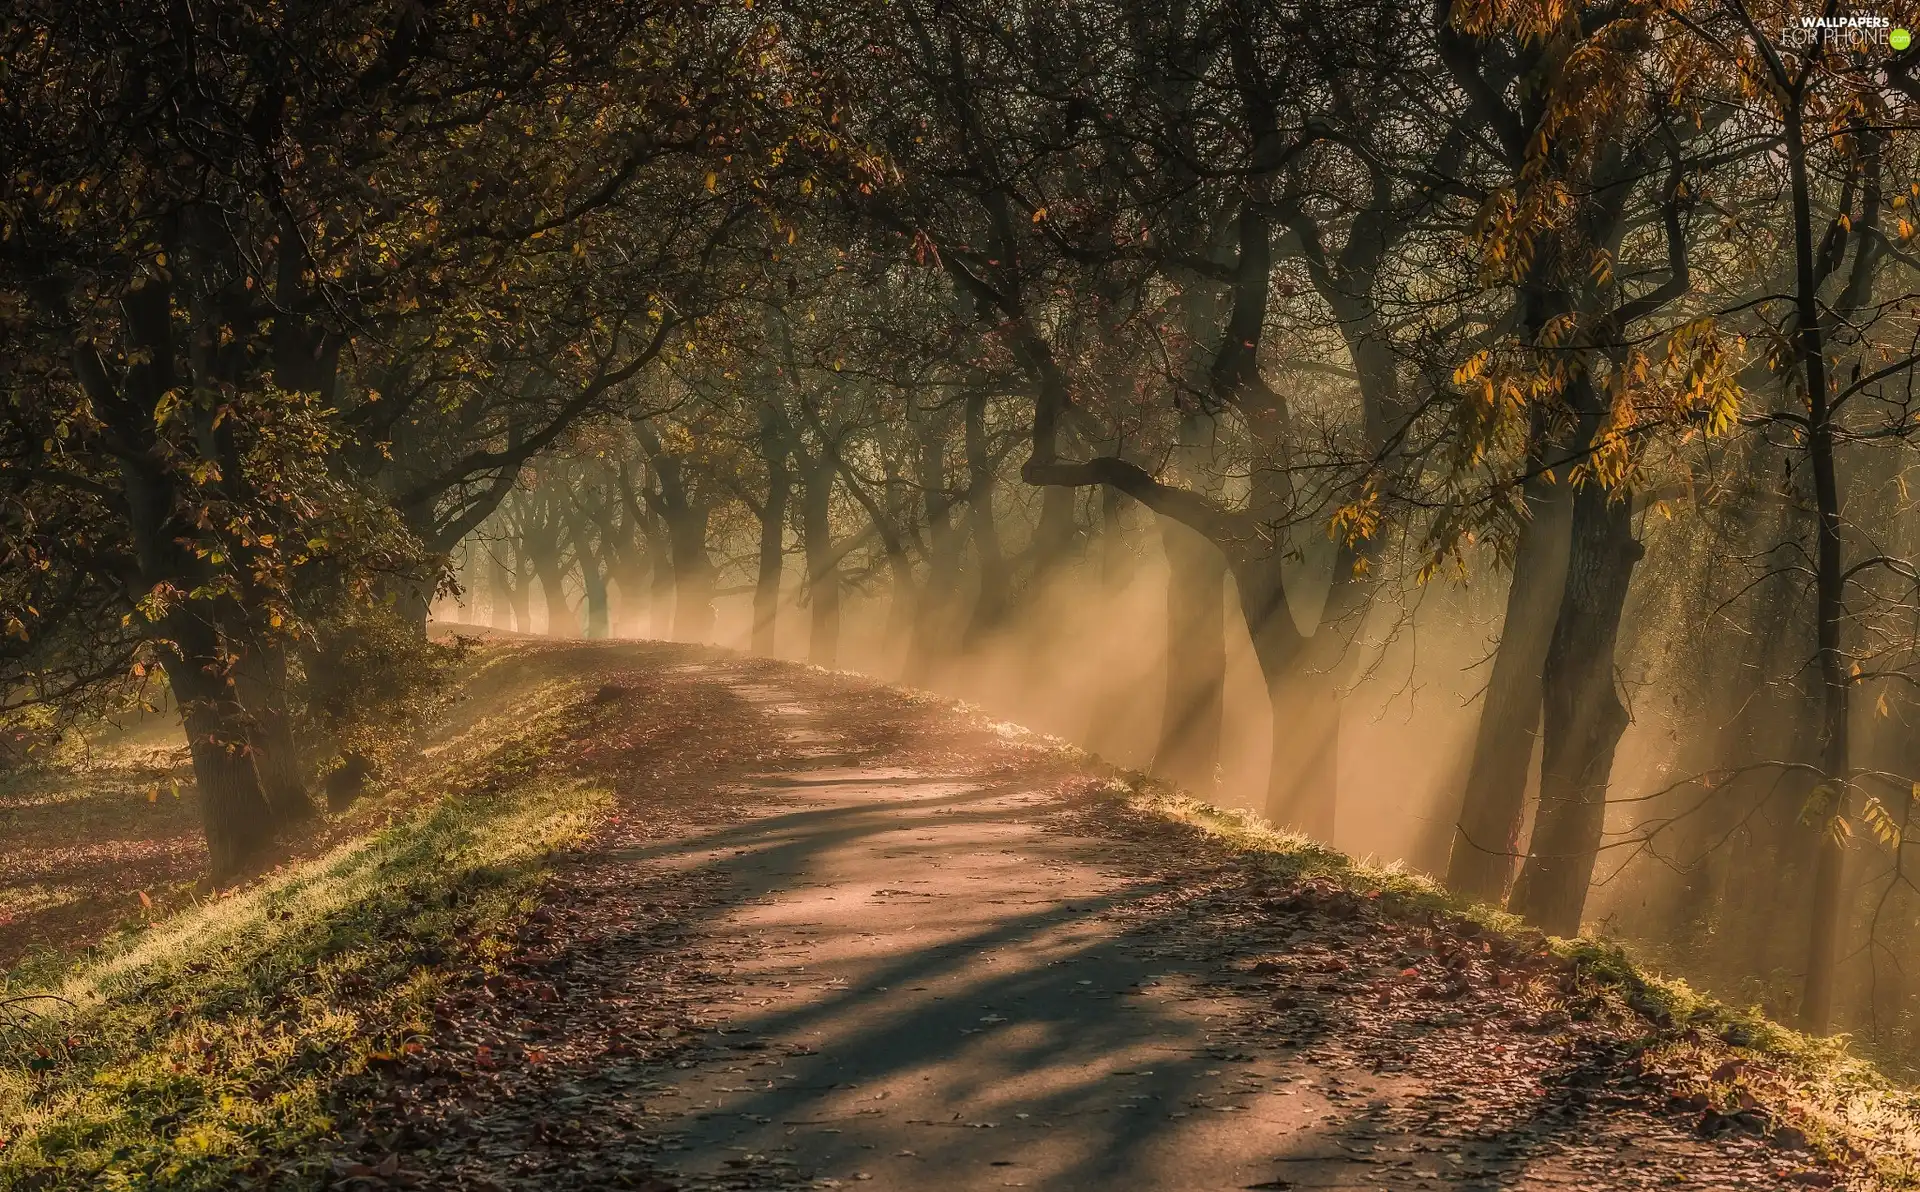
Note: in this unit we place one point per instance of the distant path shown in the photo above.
(841, 937)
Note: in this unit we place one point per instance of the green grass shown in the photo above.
(210, 1048)
(1849, 1110)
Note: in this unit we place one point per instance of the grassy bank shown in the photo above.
(209, 1049)
(1715, 1057)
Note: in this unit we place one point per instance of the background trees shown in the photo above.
(289, 302)
(1316, 404)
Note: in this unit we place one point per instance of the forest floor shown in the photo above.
(825, 933)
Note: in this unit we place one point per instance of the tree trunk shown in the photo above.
(990, 603)
(660, 598)
(1829, 587)
(1116, 564)
(1583, 717)
(520, 594)
(1110, 732)
(823, 571)
(234, 813)
(499, 589)
(903, 594)
(594, 565)
(261, 684)
(692, 575)
(1486, 840)
(1191, 716)
(553, 589)
(1303, 765)
(629, 580)
(235, 816)
(773, 530)
(1053, 536)
(1298, 745)
(599, 622)
(933, 616)
(903, 600)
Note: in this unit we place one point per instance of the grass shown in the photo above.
(1850, 1112)
(210, 1049)
(84, 835)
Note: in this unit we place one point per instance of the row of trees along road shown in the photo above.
(1606, 310)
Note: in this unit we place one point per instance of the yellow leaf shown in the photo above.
(713, 180)
(1039, 215)
(1471, 369)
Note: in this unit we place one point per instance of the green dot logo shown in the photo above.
(1899, 39)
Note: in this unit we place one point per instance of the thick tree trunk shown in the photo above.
(236, 818)
(1583, 717)
(233, 812)
(1194, 708)
(1298, 797)
(261, 684)
(823, 570)
(412, 599)
(553, 590)
(1486, 840)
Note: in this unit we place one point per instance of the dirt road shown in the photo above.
(839, 936)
